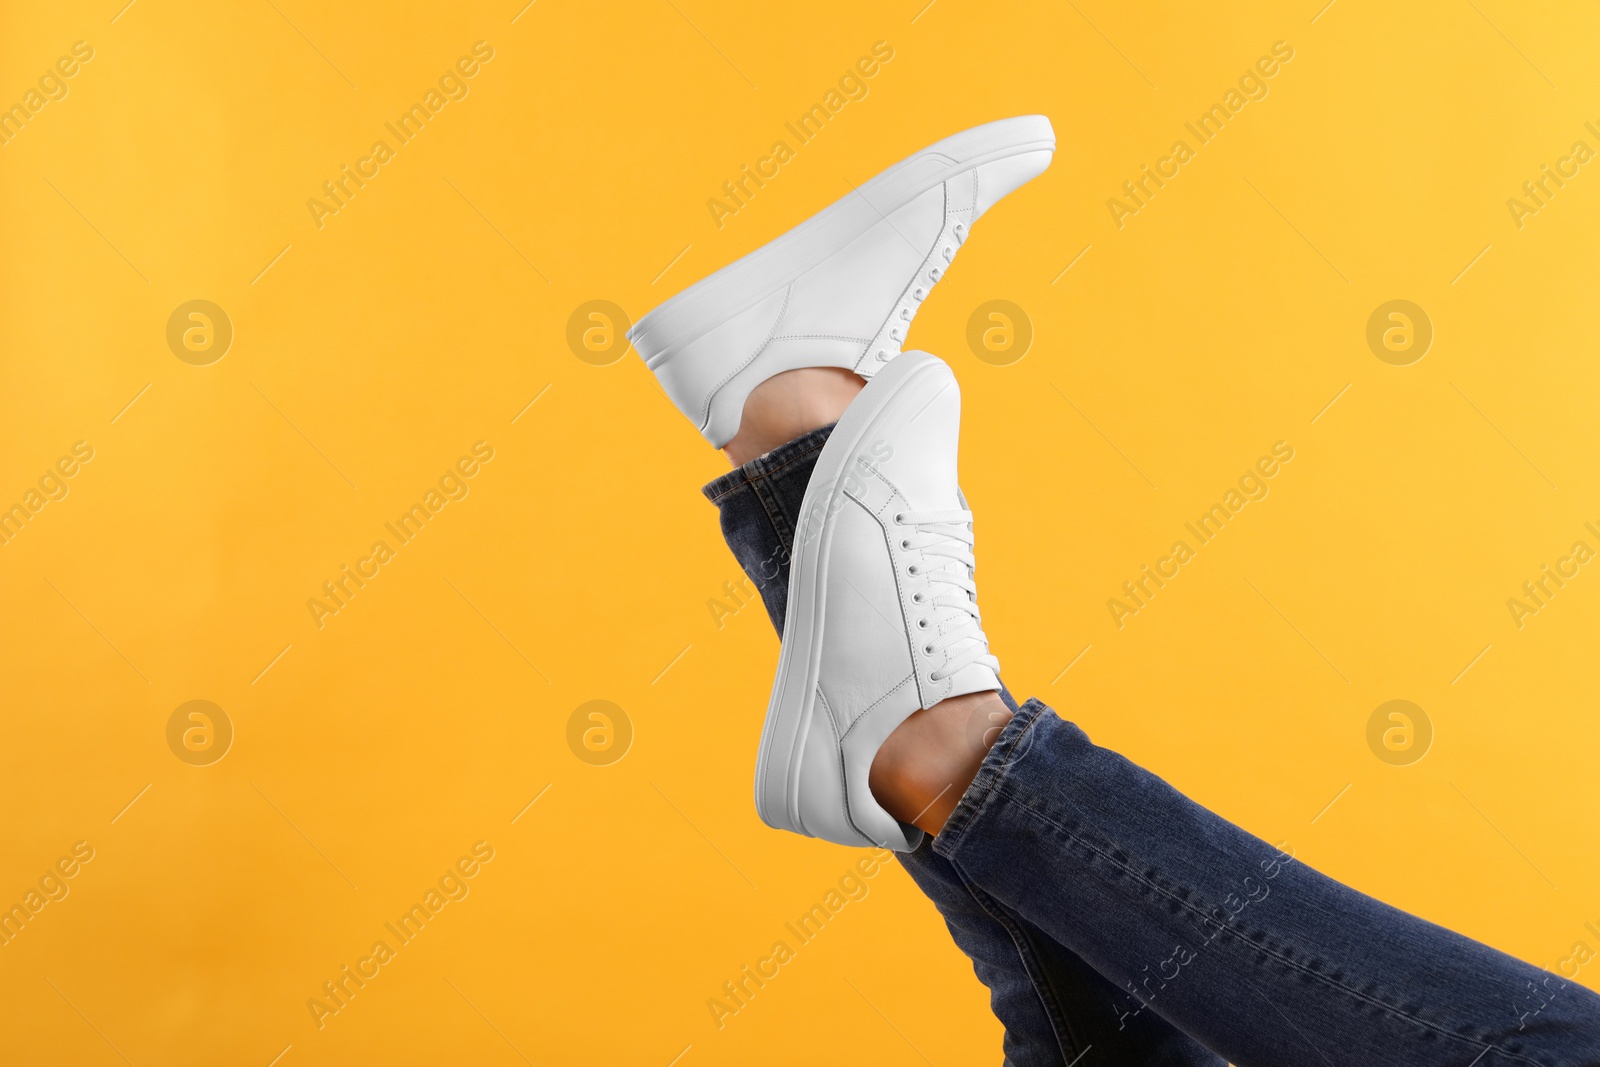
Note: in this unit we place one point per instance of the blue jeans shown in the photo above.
(1115, 921)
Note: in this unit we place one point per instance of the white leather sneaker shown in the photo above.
(840, 289)
(883, 613)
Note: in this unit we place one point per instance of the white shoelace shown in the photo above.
(908, 311)
(948, 622)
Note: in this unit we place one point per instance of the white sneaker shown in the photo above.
(883, 614)
(840, 289)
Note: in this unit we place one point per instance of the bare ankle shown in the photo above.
(789, 404)
(926, 765)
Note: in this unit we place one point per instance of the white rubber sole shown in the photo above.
(745, 282)
(794, 691)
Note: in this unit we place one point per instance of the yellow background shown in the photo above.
(426, 715)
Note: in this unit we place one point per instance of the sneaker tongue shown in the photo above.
(973, 678)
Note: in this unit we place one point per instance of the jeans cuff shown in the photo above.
(1011, 746)
(768, 463)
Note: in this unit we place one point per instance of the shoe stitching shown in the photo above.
(937, 690)
(821, 337)
(866, 710)
(922, 268)
(844, 786)
(833, 722)
(757, 259)
(637, 332)
(838, 747)
(705, 412)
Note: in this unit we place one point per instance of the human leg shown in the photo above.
(830, 300)
(1054, 1007)
(1258, 957)
(1231, 939)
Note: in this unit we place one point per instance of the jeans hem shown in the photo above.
(767, 464)
(1011, 744)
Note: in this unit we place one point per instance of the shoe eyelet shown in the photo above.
(918, 295)
(922, 624)
(927, 650)
(899, 518)
(883, 357)
(916, 598)
(904, 543)
(912, 570)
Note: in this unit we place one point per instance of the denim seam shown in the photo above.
(726, 493)
(1038, 977)
(1000, 789)
(791, 461)
(750, 479)
(773, 508)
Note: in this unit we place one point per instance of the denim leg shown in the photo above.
(1055, 1008)
(1231, 939)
